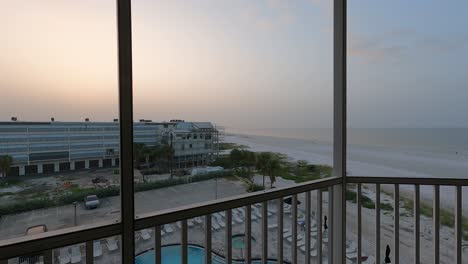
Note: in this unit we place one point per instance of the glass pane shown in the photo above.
(206, 74)
(406, 101)
(59, 145)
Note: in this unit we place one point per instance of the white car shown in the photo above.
(91, 201)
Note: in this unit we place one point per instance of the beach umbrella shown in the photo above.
(289, 201)
(387, 255)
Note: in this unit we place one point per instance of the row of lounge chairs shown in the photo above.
(73, 253)
(70, 254)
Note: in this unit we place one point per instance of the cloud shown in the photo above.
(372, 51)
(387, 46)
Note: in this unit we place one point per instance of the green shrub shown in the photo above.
(351, 196)
(386, 207)
(255, 188)
(28, 205)
(7, 182)
(76, 194)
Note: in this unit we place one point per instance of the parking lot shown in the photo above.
(64, 216)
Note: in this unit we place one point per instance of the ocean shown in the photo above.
(393, 152)
(436, 141)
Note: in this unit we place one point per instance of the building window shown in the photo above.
(190, 146)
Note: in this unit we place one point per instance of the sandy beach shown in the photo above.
(372, 161)
(368, 161)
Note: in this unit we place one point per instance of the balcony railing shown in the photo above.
(45, 248)
(261, 212)
(435, 183)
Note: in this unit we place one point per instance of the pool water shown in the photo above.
(196, 255)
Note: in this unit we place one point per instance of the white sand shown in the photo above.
(366, 161)
(371, 161)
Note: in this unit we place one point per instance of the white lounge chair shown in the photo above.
(351, 247)
(145, 234)
(199, 220)
(220, 220)
(75, 254)
(190, 222)
(64, 256)
(168, 229)
(97, 249)
(272, 226)
(111, 244)
(214, 224)
(351, 255)
(299, 237)
(253, 217)
(301, 244)
(256, 212)
(237, 219)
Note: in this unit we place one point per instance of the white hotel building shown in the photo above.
(51, 147)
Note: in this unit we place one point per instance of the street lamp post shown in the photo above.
(75, 204)
(216, 186)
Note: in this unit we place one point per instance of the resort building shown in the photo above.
(49, 147)
(194, 143)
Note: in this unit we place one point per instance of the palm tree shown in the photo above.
(138, 153)
(5, 164)
(262, 164)
(273, 166)
(168, 155)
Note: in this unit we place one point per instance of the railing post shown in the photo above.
(184, 239)
(307, 234)
(359, 224)
(458, 225)
(436, 224)
(377, 222)
(417, 229)
(319, 226)
(279, 216)
(396, 224)
(89, 252)
(157, 245)
(338, 224)
(264, 223)
(208, 239)
(248, 233)
(228, 237)
(48, 257)
(294, 229)
(124, 30)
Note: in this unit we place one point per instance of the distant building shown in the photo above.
(49, 147)
(194, 143)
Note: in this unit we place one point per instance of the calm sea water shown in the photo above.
(445, 140)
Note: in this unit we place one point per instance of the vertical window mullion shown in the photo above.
(339, 130)
(124, 30)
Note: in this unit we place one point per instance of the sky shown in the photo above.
(238, 63)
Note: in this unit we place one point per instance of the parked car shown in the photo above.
(37, 229)
(91, 201)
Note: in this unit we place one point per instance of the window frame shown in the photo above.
(126, 226)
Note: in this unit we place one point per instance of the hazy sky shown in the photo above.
(239, 63)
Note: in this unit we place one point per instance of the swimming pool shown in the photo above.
(196, 255)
